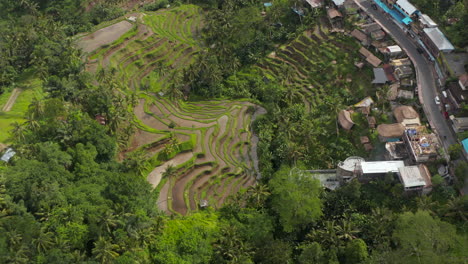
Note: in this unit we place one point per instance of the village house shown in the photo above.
(436, 41)
(458, 92)
(407, 116)
(371, 27)
(403, 71)
(377, 169)
(393, 91)
(379, 76)
(459, 124)
(415, 179)
(396, 150)
(370, 58)
(407, 82)
(400, 62)
(338, 3)
(364, 105)
(388, 69)
(335, 17)
(371, 121)
(315, 3)
(359, 35)
(421, 145)
(377, 35)
(393, 50)
(426, 21)
(350, 7)
(366, 143)
(405, 94)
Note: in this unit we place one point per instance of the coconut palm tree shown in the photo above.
(346, 231)
(104, 251)
(44, 241)
(458, 208)
(258, 194)
(108, 221)
(18, 133)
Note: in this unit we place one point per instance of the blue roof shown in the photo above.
(465, 144)
(401, 17)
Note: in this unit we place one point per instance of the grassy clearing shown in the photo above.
(31, 87)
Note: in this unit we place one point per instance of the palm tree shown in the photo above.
(325, 235)
(108, 221)
(104, 251)
(44, 241)
(19, 256)
(258, 194)
(458, 208)
(230, 247)
(292, 94)
(18, 132)
(425, 203)
(37, 108)
(346, 231)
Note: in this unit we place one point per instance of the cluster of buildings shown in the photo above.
(408, 147)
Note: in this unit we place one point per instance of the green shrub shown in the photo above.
(155, 5)
(172, 125)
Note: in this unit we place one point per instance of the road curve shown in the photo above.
(424, 71)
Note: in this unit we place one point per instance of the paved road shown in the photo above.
(425, 72)
(426, 77)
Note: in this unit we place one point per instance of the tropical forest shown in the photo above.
(197, 131)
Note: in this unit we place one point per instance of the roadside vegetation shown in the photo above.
(143, 150)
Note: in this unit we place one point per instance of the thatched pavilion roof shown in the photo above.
(391, 130)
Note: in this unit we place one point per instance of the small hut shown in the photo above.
(344, 118)
(366, 143)
(372, 122)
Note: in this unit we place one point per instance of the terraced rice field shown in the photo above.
(209, 144)
(158, 43)
(214, 158)
(313, 63)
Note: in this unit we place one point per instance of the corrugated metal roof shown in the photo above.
(439, 39)
(394, 49)
(411, 177)
(338, 2)
(8, 155)
(427, 21)
(370, 167)
(379, 76)
(407, 6)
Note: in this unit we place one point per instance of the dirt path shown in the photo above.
(104, 36)
(11, 101)
(254, 140)
(154, 178)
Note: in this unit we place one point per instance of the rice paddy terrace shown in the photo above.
(157, 43)
(316, 63)
(215, 155)
(207, 146)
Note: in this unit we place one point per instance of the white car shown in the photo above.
(437, 100)
(444, 93)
